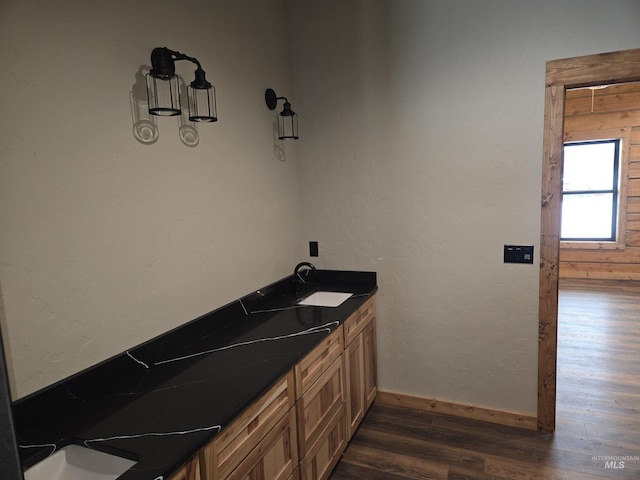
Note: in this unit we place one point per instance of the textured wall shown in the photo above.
(421, 157)
(107, 242)
(421, 140)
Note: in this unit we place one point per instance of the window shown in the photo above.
(590, 191)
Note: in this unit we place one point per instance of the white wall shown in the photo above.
(107, 242)
(421, 155)
(421, 140)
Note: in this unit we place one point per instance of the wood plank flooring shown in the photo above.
(598, 411)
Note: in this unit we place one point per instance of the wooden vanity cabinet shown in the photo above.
(316, 362)
(275, 457)
(320, 384)
(191, 471)
(319, 388)
(296, 475)
(299, 428)
(370, 354)
(354, 325)
(263, 438)
(354, 368)
(360, 363)
(325, 453)
(319, 404)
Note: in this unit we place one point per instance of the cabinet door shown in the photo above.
(320, 403)
(275, 457)
(354, 369)
(325, 453)
(191, 471)
(238, 439)
(370, 366)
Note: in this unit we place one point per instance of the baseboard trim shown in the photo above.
(457, 409)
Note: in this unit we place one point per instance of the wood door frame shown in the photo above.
(590, 70)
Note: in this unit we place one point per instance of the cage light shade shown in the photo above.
(202, 104)
(287, 119)
(287, 123)
(163, 95)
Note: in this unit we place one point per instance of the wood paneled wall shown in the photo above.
(612, 112)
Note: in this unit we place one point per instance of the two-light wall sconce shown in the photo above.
(163, 94)
(163, 91)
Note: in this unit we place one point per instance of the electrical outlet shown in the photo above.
(518, 254)
(313, 249)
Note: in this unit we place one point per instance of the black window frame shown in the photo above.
(615, 191)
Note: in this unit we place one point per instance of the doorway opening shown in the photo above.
(562, 75)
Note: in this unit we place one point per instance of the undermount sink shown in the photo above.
(325, 299)
(74, 462)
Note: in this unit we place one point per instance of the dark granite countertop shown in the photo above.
(160, 402)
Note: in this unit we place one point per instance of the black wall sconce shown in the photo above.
(287, 119)
(163, 89)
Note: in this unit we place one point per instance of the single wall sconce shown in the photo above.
(163, 90)
(287, 119)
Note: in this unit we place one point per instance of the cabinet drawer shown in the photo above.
(275, 457)
(239, 438)
(319, 403)
(309, 369)
(325, 453)
(358, 320)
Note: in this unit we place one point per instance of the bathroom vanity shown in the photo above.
(265, 387)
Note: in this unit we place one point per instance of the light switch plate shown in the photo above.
(518, 254)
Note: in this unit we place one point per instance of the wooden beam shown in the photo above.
(611, 90)
(633, 205)
(628, 255)
(602, 271)
(634, 167)
(634, 187)
(603, 121)
(550, 256)
(599, 69)
(602, 103)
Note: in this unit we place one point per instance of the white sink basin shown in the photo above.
(325, 299)
(74, 462)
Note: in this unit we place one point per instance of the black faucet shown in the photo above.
(301, 275)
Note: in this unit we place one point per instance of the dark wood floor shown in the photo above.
(598, 411)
